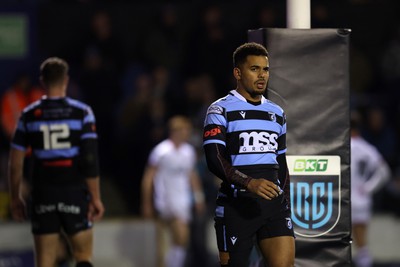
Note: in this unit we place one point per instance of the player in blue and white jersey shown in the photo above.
(65, 194)
(245, 145)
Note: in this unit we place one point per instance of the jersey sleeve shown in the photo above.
(155, 156)
(215, 125)
(282, 137)
(89, 145)
(20, 139)
(214, 143)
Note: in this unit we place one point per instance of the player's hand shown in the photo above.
(18, 209)
(96, 210)
(264, 188)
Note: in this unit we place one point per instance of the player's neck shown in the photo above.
(255, 103)
(177, 143)
(56, 92)
(253, 98)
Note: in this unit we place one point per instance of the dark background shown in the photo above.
(161, 58)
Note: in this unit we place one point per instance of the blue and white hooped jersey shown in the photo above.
(253, 134)
(57, 130)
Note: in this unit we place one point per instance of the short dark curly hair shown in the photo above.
(248, 49)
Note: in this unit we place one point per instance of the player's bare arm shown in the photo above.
(18, 210)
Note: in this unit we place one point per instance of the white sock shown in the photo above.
(363, 258)
(175, 257)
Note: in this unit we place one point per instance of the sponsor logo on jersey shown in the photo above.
(215, 109)
(243, 114)
(233, 239)
(212, 132)
(254, 142)
(315, 194)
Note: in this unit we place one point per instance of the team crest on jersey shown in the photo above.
(272, 116)
(289, 223)
(215, 109)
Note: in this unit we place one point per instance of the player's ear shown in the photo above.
(236, 73)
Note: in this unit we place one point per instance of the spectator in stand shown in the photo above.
(212, 42)
(15, 99)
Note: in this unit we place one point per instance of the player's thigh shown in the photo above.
(82, 244)
(235, 232)
(278, 251)
(180, 231)
(46, 249)
(360, 234)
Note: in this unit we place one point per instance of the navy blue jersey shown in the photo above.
(254, 135)
(62, 135)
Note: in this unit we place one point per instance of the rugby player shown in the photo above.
(245, 146)
(65, 185)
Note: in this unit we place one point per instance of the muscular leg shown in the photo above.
(360, 234)
(278, 251)
(46, 249)
(82, 245)
(363, 257)
(180, 232)
(180, 237)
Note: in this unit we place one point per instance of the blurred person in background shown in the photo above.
(170, 184)
(65, 184)
(382, 135)
(15, 99)
(162, 45)
(212, 39)
(20, 94)
(99, 77)
(369, 172)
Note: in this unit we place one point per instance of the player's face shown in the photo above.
(252, 77)
(181, 131)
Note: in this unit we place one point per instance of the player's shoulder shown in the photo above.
(362, 146)
(163, 146)
(221, 105)
(77, 103)
(31, 107)
(274, 106)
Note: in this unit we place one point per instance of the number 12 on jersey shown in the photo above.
(53, 135)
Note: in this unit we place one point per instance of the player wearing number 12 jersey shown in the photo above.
(65, 182)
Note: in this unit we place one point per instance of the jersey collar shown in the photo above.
(239, 96)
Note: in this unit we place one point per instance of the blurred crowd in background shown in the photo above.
(138, 63)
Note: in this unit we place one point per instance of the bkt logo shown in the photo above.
(257, 142)
(315, 204)
(311, 165)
